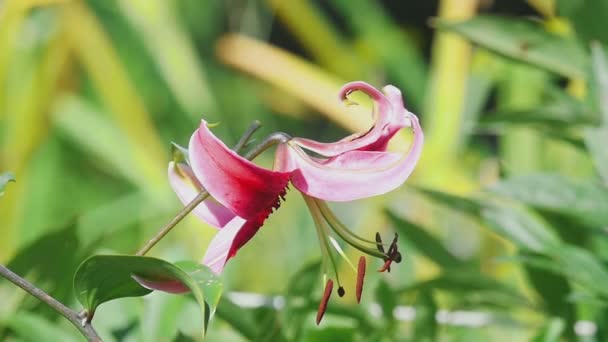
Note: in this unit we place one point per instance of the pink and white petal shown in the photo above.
(383, 114)
(186, 187)
(355, 174)
(169, 286)
(238, 184)
(220, 247)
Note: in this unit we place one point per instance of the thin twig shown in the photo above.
(270, 140)
(85, 328)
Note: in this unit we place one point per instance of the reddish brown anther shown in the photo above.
(323, 304)
(360, 277)
(386, 266)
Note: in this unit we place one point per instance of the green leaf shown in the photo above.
(424, 242)
(582, 267)
(524, 40)
(595, 138)
(4, 179)
(585, 200)
(552, 331)
(521, 226)
(559, 110)
(102, 278)
(457, 203)
(587, 18)
(387, 299)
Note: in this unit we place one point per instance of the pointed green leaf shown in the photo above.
(587, 201)
(521, 226)
(4, 179)
(102, 278)
(524, 40)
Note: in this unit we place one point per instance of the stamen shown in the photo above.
(341, 252)
(330, 217)
(379, 244)
(360, 277)
(322, 234)
(323, 304)
(344, 232)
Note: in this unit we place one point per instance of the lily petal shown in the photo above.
(186, 186)
(238, 184)
(220, 246)
(383, 115)
(169, 286)
(354, 174)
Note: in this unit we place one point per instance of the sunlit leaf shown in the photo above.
(595, 138)
(99, 58)
(520, 226)
(524, 40)
(102, 278)
(176, 58)
(587, 201)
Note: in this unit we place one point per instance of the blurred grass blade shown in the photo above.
(389, 46)
(98, 138)
(34, 73)
(292, 74)
(552, 331)
(586, 201)
(446, 90)
(317, 35)
(12, 16)
(521, 226)
(95, 51)
(596, 138)
(32, 327)
(176, 57)
(102, 278)
(424, 242)
(524, 40)
(4, 179)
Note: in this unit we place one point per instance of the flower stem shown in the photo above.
(85, 327)
(272, 139)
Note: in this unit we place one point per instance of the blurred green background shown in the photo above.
(503, 223)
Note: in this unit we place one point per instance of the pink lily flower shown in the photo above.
(243, 194)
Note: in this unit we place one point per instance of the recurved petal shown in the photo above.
(186, 187)
(220, 246)
(235, 182)
(355, 174)
(383, 115)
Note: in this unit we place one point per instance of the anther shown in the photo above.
(323, 304)
(341, 291)
(360, 277)
(379, 243)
